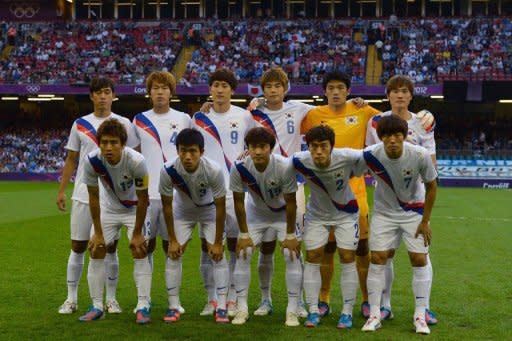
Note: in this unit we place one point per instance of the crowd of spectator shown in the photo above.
(32, 150)
(437, 49)
(74, 52)
(304, 48)
(429, 50)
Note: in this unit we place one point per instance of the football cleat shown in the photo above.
(221, 316)
(231, 307)
(265, 308)
(142, 316)
(323, 309)
(421, 326)
(113, 307)
(430, 317)
(292, 319)
(365, 309)
(181, 309)
(68, 307)
(372, 324)
(209, 308)
(93, 314)
(241, 317)
(345, 321)
(172, 315)
(386, 314)
(312, 321)
(301, 311)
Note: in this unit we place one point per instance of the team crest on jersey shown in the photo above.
(202, 184)
(126, 177)
(411, 137)
(339, 174)
(233, 124)
(271, 183)
(174, 125)
(407, 173)
(289, 115)
(351, 120)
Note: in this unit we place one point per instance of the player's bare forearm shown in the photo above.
(94, 208)
(220, 218)
(142, 208)
(67, 171)
(239, 199)
(430, 198)
(168, 217)
(291, 212)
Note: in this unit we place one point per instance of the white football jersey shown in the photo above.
(157, 135)
(119, 181)
(224, 135)
(330, 195)
(265, 189)
(401, 188)
(193, 190)
(416, 133)
(82, 139)
(285, 124)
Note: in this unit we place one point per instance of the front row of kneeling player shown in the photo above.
(193, 192)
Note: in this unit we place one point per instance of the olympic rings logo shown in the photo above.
(33, 89)
(24, 10)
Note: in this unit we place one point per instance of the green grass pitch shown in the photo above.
(472, 290)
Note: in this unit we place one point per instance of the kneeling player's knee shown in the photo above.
(330, 247)
(347, 256)
(315, 256)
(267, 248)
(362, 248)
(379, 257)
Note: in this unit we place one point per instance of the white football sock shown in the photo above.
(173, 276)
(312, 284)
(349, 282)
(430, 279)
(242, 279)
(142, 276)
(390, 276)
(74, 272)
(112, 274)
(420, 282)
(231, 264)
(150, 260)
(375, 283)
(220, 274)
(206, 268)
(265, 271)
(293, 280)
(96, 280)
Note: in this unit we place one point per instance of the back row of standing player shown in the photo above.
(224, 128)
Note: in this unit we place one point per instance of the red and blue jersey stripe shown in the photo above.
(263, 119)
(180, 184)
(87, 129)
(205, 123)
(145, 124)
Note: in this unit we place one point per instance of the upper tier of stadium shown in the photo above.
(428, 50)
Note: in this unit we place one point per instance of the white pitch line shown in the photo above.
(506, 220)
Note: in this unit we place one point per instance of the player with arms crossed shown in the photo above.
(157, 130)
(82, 141)
(403, 201)
(399, 90)
(223, 129)
(268, 215)
(124, 201)
(200, 197)
(331, 206)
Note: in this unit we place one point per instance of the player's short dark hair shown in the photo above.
(399, 81)
(224, 75)
(112, 127)
(99, 83)
(260, 135)
(336, 76)
(391, 124)
(162, 77)
(320, 133)
(190, 137)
